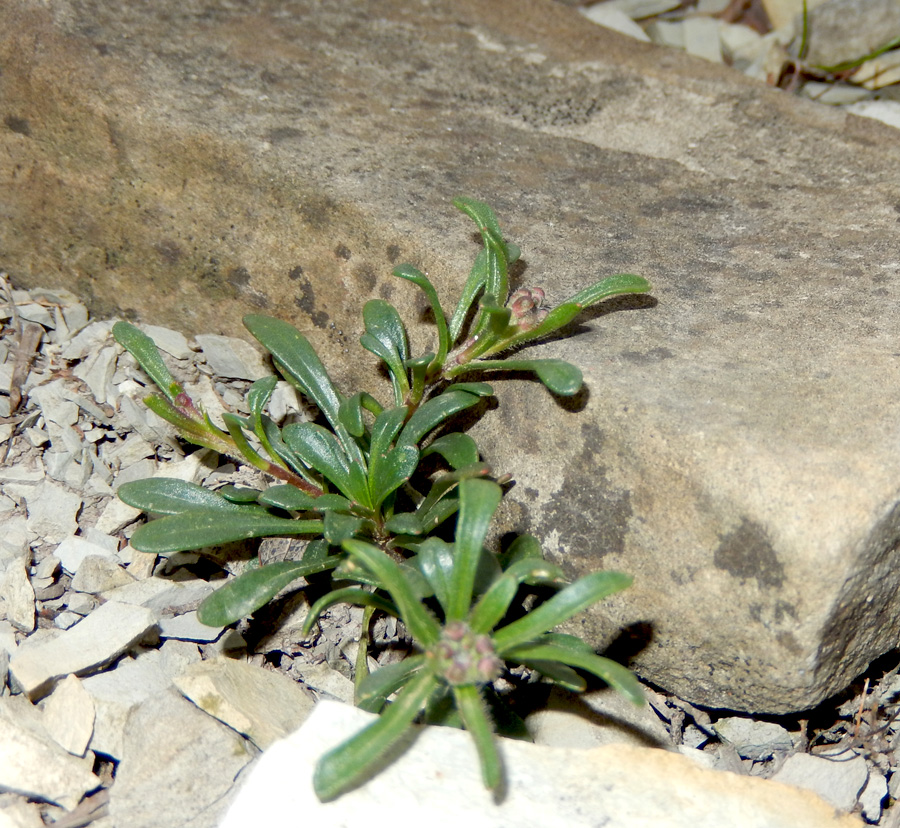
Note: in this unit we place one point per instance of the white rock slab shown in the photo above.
(178, 767)
(172, 342)
(588, 720)
(102, 636)
(69, 716)
(35, 766)
(18, 812)
(51, 511)
(186, 627)
(73, 550)
(98, 573)
(231, 357)
(18, 596)
(436, 782)
(754, 740)
(839, 782)
(263, 705)
(116, 694)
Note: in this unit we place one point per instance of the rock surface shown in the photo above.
(274, 158)
(615, 786)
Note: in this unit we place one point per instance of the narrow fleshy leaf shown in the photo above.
(476, 721)
(318, 448)
(351, 761)
(479, 389)
(576, 653)
(298, 358)
(251, 590)
(522, 548)
(418, 374)
(561, 607)
(458, 449)
(493, 605)
(346, 595)
(260, 393)
(558, 673)
(433, 413)
(473, 287)
(421, 624)
(610, 286)
(350, 412)
(170, 496)
(385, 337)
(194, 431)
(213, 527)
(144, 350)
(435, 561)
(404, 523)
(385, 428)
(289, 498)
(375, 688)
(559, 376)
(339, 527)
(393, 363)
(409, 273)
(478, 500)
(390, 472)
(234, 425)
(492, 329)
(239, 494)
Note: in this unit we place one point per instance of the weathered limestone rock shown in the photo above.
(437, 782)
(736, 448)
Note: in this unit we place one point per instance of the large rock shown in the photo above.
(736, 451)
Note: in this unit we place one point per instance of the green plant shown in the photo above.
(349, 475)
(471, 590)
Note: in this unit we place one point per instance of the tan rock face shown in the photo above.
(736, 448)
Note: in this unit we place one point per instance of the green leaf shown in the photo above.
(289, 498)
(610, 286)
(346, 595)
(404, 523)
(386, 338)
(260, 393)
(392, 578)
(435, 561)
(251, 590)
(144, 350)
(493, 605)
(409, 273)
(299, 361)
(559, 376)
(239, 494)
(478, 500)
(375, 688)
(561, 607)
(340, 527)
(213, 527)
(350, 412)
(170, 496)
(479, 389)
(522, 548)
(574, 652)
(458, 449)
(476, 721)
(198, 432)
(474, 285)
(492, 329)
(348, 763)
(559, 674)
(319, 449)
(433, 413)
(390, 472)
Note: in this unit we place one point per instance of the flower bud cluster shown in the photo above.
(527, 308)
(461, 657)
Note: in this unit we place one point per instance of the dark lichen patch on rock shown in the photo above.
(747, 553)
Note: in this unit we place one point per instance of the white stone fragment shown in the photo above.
(611, 17)
(586, 720)
(97, 372)
(231, 357)
(172, 342)
(666, 33)
(88, 341)
(701, 38)
(116, 515)
(7, 638)
(51, 511)
(178, 766)
(873, 796)
(436, 781)
(186, 627)
(33, 765)
(18, 596)
(839, 783)
(888, 112)
(21, 474)
(18, 812)
(69, 716)
(100, 637)
(74, 549)
(80, 603)
(636, 9)
(754, 740)
(263, 705)
(98, 573)
(325, 681)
